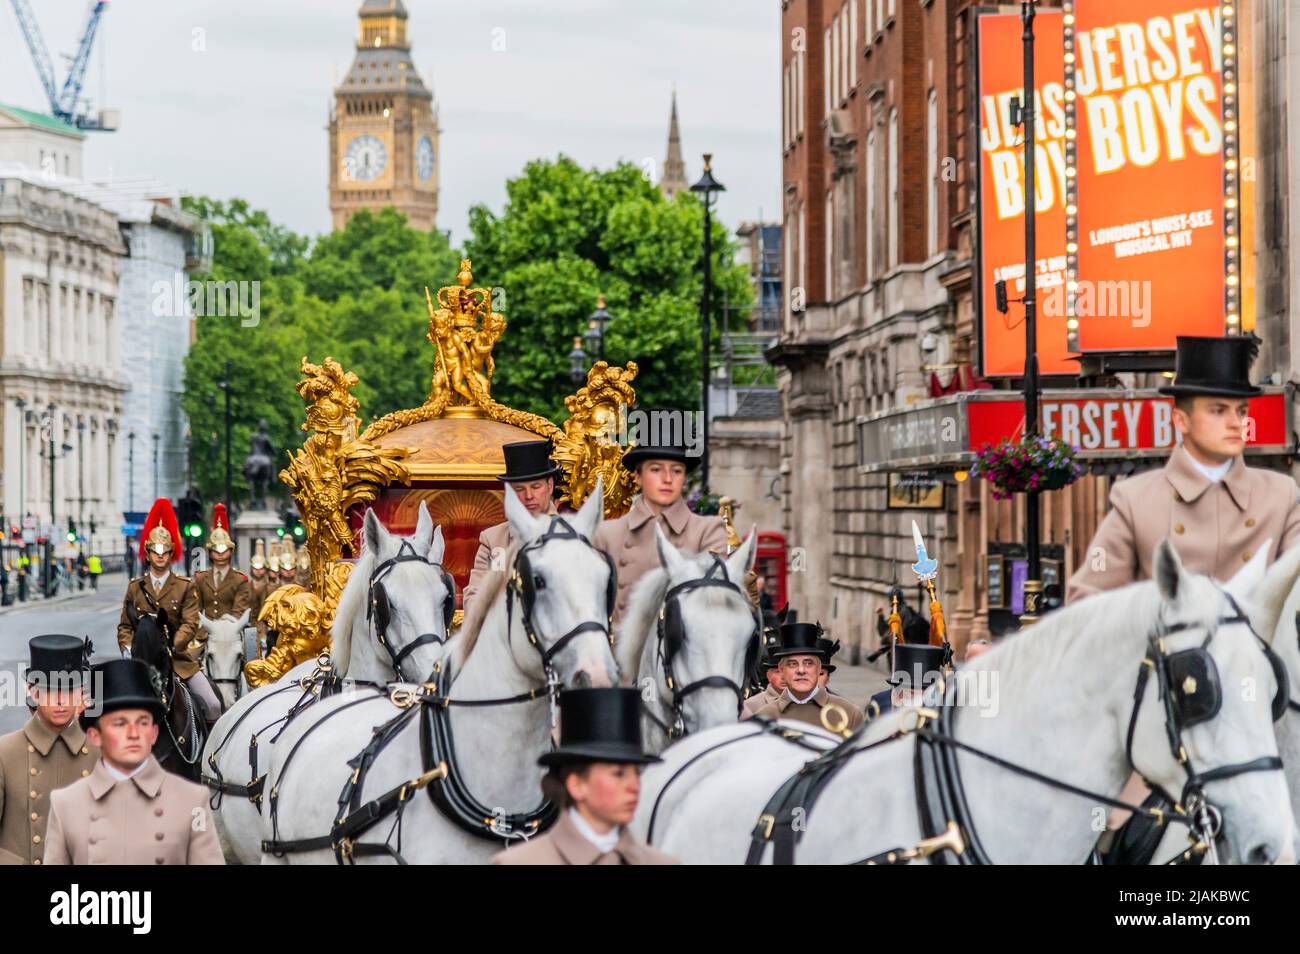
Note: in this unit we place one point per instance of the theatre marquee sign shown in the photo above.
(947, 432)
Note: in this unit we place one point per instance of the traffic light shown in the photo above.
(72, 530)
(189, 511)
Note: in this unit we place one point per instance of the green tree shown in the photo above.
(568, 234)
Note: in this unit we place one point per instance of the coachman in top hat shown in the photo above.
(1217, 511)
(49, 752)
(531, 474)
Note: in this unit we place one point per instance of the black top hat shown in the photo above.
(829, 648)
(58, 657)
(121, 684)
(528, 460)
(663, 440)
(1214, 366)
(917, 664)
(800, 639)
(599, 725)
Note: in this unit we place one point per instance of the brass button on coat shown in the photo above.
(33, 770)
(31, 748)
(35, 817)
(36, 839)
(37, 861)
(35, 794)
(1250, 521)
(1178, 528)
(158, 811)
(157, 836)
(1245, 557)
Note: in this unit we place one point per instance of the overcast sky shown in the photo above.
(245, 115)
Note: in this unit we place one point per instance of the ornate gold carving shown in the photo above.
(726, 510)
(300, 619)
(464, 330)
(334, 470)
(588, 447)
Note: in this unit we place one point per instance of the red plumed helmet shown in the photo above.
(160, 529)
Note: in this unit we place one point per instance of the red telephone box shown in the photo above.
(771, 563)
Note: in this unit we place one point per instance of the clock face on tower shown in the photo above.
(366, 158)
(424, 158)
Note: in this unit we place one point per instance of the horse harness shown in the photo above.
(671, 636)
(430, 703)
(1187, 685)
(379, 609)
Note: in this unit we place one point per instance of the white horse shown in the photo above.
(708, 664)
(223, 660)
(237, 751)
(505, 654)
(1063, 700)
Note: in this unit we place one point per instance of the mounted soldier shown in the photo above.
(259, 586)
(595, 779)
(532, 474)
(801, 657)
(913, 668)
(223, 591)
(49, 752)
(660, 472)
(128, 810)
(173, 600)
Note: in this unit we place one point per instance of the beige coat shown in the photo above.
(181, 601)
(811, 711)
(33, 762)
(564, 845)
(1215, 527)
(232, 597)
(630, 541)
(494, 540)
(153, 818)
(758, 700)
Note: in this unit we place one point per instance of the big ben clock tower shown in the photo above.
(383, 128)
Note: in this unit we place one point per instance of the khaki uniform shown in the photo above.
(565, 845)
(758, 700)
(495, 539)
(630, 541)
(151, 818)
(811, 711)
(33, 762)
(258, 591)
(181, 601)
(1215, 527)
(231, 597)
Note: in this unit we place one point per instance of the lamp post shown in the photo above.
(707, 188)
(155, 465)
(1034, 571)
(81, 471)
(22, 455)
(130, 471)
(577, 362)
(47, 425)
(224, 384)
(594, 336)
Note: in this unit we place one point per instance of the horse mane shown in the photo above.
(639, 620)
(467, 636)
(351, 602)
(1071, 640)
(149, 645)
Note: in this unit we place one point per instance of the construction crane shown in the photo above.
(65, 103)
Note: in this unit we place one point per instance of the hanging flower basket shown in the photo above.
(1037, 462)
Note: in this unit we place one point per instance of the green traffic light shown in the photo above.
(72, 537)
(297, 530)
(280, 531)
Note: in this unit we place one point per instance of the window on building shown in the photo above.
(798, 87)
(826, 72)
(836, 72)
(829, 226)
(932, 172)
(880, 15)
(786, 118)
(803, 254)
(866, 26)
(853, 43)
(891, 7)
(892, 209)
(871, 206)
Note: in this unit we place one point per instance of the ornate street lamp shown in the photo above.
(594, 337)
(577, 362)
(706, 188)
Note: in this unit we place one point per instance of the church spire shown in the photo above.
(674, 177)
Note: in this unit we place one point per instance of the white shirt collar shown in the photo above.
(605, 843)
(158, 581)
(1213, 474)
(799, 701)
(123, 776)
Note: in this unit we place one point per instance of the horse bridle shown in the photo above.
(671, 635)
(378, 612)
(522, 586)
(1187, 683)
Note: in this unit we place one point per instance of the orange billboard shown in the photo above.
(1002, 193)
(1148, 115)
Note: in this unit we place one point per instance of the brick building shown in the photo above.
(879, 159)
